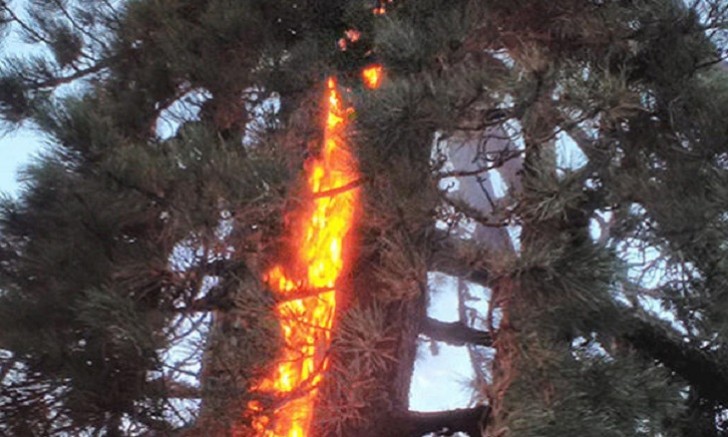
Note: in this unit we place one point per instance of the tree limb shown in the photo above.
(339, 190)
(455, 333)
(702, 369)
(444, 423)
(60, 80)
(170, 389)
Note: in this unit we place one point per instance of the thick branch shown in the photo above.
(339, 190)
(178, 390)
(174, 389)
(444, 423)
(455, 333)
(703, 370)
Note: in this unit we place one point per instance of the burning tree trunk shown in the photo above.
(308, 287)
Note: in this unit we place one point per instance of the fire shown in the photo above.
(372, 76)
(307, 286)
(382, 8)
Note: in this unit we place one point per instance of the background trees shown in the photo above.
(178, 132)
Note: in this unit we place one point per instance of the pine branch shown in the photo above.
(444, 423)
(303, 293)
(457, 257)
(473, 213)
(702, 369)
(61, 80)
(455, 333)
(64, 10)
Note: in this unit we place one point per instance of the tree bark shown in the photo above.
(445, 423)
(455, 333)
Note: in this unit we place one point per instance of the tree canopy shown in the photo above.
(132, 291)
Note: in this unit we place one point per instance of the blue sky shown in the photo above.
(19, 146)
(16, 150)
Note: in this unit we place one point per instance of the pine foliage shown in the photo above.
(177, 131)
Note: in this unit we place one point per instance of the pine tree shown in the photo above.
(178, 131)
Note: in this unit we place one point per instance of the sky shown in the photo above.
(18, 147)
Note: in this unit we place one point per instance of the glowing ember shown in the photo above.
(307, 286)
(372, 76)
(353, 35)
(382, 8)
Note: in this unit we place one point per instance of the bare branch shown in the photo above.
(497, 163)
(455, 333)
(25, 26)
(444, 423)
(342, 189)
(60, 80)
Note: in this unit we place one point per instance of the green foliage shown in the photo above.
(124, 231)
(591, 396)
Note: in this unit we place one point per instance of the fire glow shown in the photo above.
(372, 76)
(307, 286)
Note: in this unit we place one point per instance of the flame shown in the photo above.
(350, 36)
(382, 8)
(353, 35)
(308, 286)
(372, 76)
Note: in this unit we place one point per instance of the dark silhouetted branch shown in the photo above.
(455, 333)
(60, 80)
(338, 190)
(702, 369)
(444, 423)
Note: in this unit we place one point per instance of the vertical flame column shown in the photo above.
(307, 284)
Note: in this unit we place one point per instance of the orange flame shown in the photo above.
(308, 285)
(372, 76)
(382, 8)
